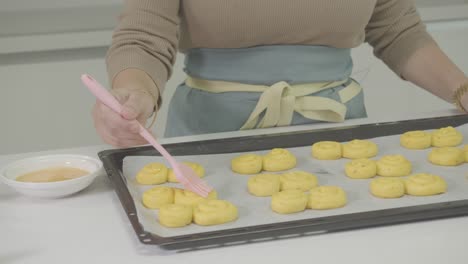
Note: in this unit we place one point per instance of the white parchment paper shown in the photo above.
(256, 210)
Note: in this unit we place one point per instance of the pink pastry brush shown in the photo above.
(183, 173)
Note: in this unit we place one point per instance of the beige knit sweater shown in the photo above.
(150, 32)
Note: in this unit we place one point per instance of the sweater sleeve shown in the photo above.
(396, 31)
(146, 38)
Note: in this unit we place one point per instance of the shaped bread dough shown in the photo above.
(158, 196)
(247, 164)
(175, 215)
(465, 150)
(447, 156)
(387, 187)
(186, 197)
(423, 184)
(289, 201)
(359, 149)
(214, 212)
(327, 150)
(152, 173)
(264, 184)
(361, 169)
(199, 170)
(298, 180)
(279, 160)
(326, 197)
(416, 140)
(446, 137)
(393, 166)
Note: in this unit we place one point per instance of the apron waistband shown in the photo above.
(279, 101)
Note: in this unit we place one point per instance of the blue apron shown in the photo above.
(193, 111)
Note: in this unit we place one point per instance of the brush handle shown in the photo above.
(101, 93)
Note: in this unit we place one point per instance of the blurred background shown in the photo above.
(46, 45)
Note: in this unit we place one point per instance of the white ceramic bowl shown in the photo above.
(58, 189)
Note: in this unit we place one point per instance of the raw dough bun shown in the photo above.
(327, 150)
(279, 160)
(393, 166)
(298, 180)
(156, 197)
(446, 137)
(387, 187)
(264, 184)
(361, 169)
(175, 215)
(423, 184)
(326, 197)
(199, 170)
(289, 201)
(359, 149)
(214, 212)
(416, 140)
(447, 156)
(247, 164)
(152, 173)
(465, 150)
(186, 197)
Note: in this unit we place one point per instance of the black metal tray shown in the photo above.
(113, 160)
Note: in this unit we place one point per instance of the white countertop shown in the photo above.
(90, 227)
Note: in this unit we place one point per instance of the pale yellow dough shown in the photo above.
(186, 197)
(264, 184)
(326, 150)
(279, 160)
(152, 173)
(199, 170)
(361, 169)
(359, 149)
(423, 184)
(447, 156)
(298, 180)
(247, 164)
(465, 150)
(446, 137)
(326, 197)
(289, 201)
(393, 166)
(416, 140)
(387, 187)
(175, 215)
(214, 212)
(158, 196)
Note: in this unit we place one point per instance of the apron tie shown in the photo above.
(279, 101)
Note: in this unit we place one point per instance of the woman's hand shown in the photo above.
(464, 97)
(122, 130)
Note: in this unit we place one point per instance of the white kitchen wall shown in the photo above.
(44, 106)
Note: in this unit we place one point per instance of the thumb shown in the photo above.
(135, 106)
(128, 109)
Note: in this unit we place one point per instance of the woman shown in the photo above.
(262, 63)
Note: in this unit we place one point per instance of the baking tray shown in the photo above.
(113, 161)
